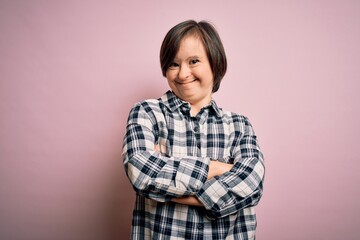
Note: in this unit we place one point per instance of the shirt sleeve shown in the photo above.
(242, 186)
(153, 174)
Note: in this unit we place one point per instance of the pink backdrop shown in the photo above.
(71, 70)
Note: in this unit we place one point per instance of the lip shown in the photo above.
(186, 82)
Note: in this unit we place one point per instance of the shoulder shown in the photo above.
(166, 101)
(148, 110)
(148, 105)
(234, 118)
(237, 122)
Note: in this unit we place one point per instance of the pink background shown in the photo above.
(71, 70)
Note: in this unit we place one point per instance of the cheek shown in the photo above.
(208, 76)
(170, 81)
(170, 75)
(205, 72)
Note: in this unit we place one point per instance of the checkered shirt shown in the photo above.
(180, 166)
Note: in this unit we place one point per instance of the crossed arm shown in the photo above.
(215, 169)
(220, 188)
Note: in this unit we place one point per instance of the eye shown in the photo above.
(173, 65)
(194, 61)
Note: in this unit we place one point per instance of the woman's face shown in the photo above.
(190, 76)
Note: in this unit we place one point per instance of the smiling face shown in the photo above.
(190, 76)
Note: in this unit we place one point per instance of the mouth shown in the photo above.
(186, 82)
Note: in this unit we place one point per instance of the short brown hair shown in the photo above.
(209, 37)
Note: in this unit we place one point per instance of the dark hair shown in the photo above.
(209, 37)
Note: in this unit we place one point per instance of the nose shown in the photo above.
(184, 72)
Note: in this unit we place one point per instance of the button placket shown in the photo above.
(196, 129)
(197, 134)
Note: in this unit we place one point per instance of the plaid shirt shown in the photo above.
(180, 168)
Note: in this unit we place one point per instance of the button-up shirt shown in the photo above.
(166, 155)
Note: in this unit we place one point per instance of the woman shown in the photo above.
(197, 170)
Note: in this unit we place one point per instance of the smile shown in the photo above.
(186, 82)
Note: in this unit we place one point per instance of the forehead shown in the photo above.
(191, 46)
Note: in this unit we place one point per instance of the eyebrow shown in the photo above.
(191, 57)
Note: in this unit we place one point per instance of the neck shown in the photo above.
(194, 111)
(195, 108)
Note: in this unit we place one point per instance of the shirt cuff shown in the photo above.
(212, 194)
(192, 173)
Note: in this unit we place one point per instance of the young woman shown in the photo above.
(197, 170)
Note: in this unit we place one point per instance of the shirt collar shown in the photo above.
(172, 102)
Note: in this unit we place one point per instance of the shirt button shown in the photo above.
(200, 226)
(199, 145)
(196, 129)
